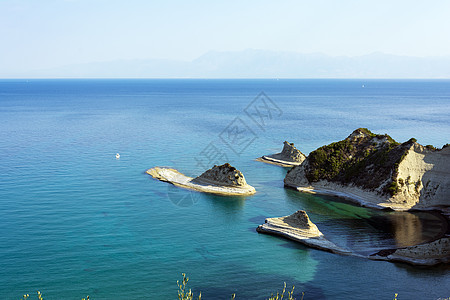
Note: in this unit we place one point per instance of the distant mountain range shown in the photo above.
(258, 64)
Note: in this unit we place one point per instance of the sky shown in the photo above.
(52, 33)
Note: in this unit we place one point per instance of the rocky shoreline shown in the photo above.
(428, 254)
(297, 227)
(374, 171)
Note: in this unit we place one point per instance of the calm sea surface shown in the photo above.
(76, 221)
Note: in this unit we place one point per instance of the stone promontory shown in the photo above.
(223, 180)
(298, 227)
(288, 157)
(375, 170)
(425, 254)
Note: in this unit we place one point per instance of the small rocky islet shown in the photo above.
(369, 169)
(222, 180)
(288, 157)
(298, 227)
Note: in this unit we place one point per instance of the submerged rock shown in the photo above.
(375, 169)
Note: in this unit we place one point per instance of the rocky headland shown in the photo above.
(288, 157)
(223, 180)
(375, 170)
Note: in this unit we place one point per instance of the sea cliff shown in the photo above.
(375, 170)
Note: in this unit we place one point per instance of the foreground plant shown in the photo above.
(289, 294)
(182, 293)
(26, 296)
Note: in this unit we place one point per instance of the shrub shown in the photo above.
(393, 188)
(182, 293)
(417, 185)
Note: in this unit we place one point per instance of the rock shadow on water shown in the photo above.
(294, 245)
(182, 198)
(258, 219)
(366, 231)
(327, 207)
(419, 272)
(226, 202)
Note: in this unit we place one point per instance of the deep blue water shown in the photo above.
(75, 221)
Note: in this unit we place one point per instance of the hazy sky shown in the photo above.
(50, 33)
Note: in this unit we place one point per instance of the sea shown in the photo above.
(77, 221)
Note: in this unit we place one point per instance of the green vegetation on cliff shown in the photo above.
(364, 159)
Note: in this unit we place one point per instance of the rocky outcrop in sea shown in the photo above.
(225, 174)
(288, 157)
(222, 180)
(298, 227)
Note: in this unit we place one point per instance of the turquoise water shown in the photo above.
(76, 221)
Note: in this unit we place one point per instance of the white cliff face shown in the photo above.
(288, 157)
(290, 153)
(296, 176)
(424, 178)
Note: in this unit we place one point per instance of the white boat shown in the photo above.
(117, 155)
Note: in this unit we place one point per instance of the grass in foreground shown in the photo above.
(184, 294)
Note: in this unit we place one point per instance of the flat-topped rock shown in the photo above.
(288, 157)
(222, 180)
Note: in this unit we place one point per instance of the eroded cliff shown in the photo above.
(375, 169)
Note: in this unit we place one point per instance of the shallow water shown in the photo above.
(75, 221)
